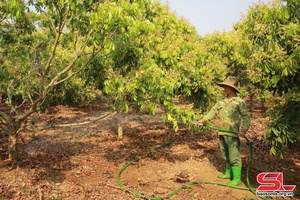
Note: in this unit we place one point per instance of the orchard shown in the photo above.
(97, 70)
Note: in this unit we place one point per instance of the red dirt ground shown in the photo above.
(83, 162)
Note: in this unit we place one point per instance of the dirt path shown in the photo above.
(83, 162)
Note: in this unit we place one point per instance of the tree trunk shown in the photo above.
(119, 125)
(12, 147)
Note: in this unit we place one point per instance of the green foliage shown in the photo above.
(273, 30)
(40, 51)
(153, 59)
(283, 128)
(176, 114)
(270, 34)
(15, 42)
(73, 92)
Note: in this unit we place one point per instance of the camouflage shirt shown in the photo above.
(230, 114)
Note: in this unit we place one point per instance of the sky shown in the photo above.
(209, 16)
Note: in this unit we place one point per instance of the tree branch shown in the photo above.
(32, 125)
(12, 107)
(4, 116)
(39, 9)
(56, 81)
(80, 69)
(63, 21)
(32, 109)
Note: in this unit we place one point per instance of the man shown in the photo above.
(232, 114)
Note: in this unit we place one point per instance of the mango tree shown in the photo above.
(273, 30)
(39, 51)
(158, 60)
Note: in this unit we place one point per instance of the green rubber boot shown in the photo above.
(227, 174)
(236, 171)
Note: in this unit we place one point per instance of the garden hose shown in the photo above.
(191, 183)
(136, 160)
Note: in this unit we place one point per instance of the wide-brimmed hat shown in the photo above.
(230, 81)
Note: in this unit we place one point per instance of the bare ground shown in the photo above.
(83, 162)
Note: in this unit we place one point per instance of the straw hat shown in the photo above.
(230, 81)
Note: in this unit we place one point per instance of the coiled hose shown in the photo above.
(191, 183)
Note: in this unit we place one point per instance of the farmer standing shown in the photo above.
(231, 114)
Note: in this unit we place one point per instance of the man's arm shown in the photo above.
(209, 116)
